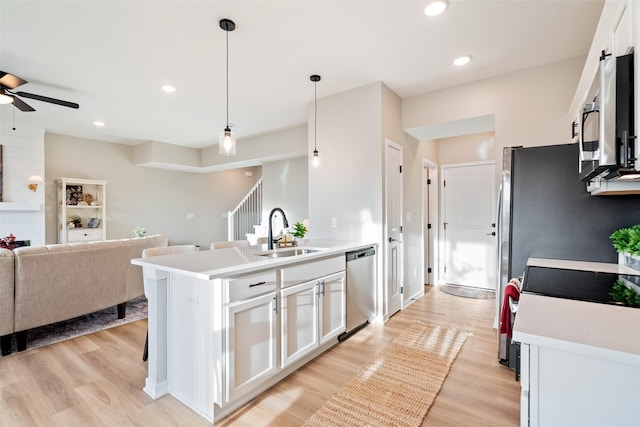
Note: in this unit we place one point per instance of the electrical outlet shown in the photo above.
(334, 222)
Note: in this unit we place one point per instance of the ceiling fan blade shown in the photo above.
(47, 99)
(10, 81)
(21, 105)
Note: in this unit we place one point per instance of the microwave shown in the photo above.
(607, 140)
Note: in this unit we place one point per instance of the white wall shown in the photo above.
(285, 185)
(530, 107)
(23, 156)
(347, 185)
(477, 147)
(156, 199)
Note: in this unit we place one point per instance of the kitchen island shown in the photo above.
(225, 325)
(580, 361)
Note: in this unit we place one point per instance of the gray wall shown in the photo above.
(156, 199)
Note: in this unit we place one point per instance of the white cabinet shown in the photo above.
(617, 33)
(563, 388)
(251, 344)
(332, 307)
(579, 362)
(81, 210)
(251, 341)
(622, 33)
(313, 312)
(299, 321)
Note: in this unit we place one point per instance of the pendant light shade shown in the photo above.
(315, 161)
(227, 142)
(227, 138)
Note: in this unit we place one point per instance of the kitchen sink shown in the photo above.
(279, 253)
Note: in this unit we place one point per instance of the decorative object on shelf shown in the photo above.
(316, 159)
(87, 198)
(299, 230)
(626, 241)
(93, 222)
(8, 242)
(227, 138)
(283, 243)
(34, 180)
(76, 221)
(74, 194)
(138, 232)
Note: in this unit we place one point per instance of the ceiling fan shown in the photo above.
(8, 82)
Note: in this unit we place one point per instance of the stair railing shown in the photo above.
(248, 213)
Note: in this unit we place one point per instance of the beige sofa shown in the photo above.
(6, 299)
(62, 281)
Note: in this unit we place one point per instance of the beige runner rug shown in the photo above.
(399, 386)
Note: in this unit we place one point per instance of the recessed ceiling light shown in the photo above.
(98, 123)
(463, 60)
(168, 88)
(436, 7)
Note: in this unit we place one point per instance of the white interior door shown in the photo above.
(427, 232)
(469, 224)
(393, 226)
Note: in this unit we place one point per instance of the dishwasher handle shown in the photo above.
(359, 254)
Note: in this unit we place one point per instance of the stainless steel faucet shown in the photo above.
(284, 222)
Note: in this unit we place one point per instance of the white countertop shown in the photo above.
(598, 330)
(603, 267)
(226, 262)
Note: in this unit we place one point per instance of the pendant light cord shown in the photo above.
(227, 79)
(315, 116)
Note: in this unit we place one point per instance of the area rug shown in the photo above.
(83, 325)
(468, 291)
(399, 386)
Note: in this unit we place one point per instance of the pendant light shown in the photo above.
(227, 138)
(315, 161)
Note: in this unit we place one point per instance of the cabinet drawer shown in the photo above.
(311, 270)
(84, 234)
(251, 285)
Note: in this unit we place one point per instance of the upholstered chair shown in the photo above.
(229, 244)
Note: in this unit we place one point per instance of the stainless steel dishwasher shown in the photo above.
(361, 290)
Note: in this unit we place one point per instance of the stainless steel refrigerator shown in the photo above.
(544, 211)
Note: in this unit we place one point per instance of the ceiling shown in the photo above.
(112, 57)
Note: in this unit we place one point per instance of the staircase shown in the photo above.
(248, 213)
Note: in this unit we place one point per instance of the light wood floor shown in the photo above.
(97, 380)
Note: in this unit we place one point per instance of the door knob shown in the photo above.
(493, 233)
(391, 239)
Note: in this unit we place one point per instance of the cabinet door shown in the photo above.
(299, 321)
(332, 314)
(251, 344)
